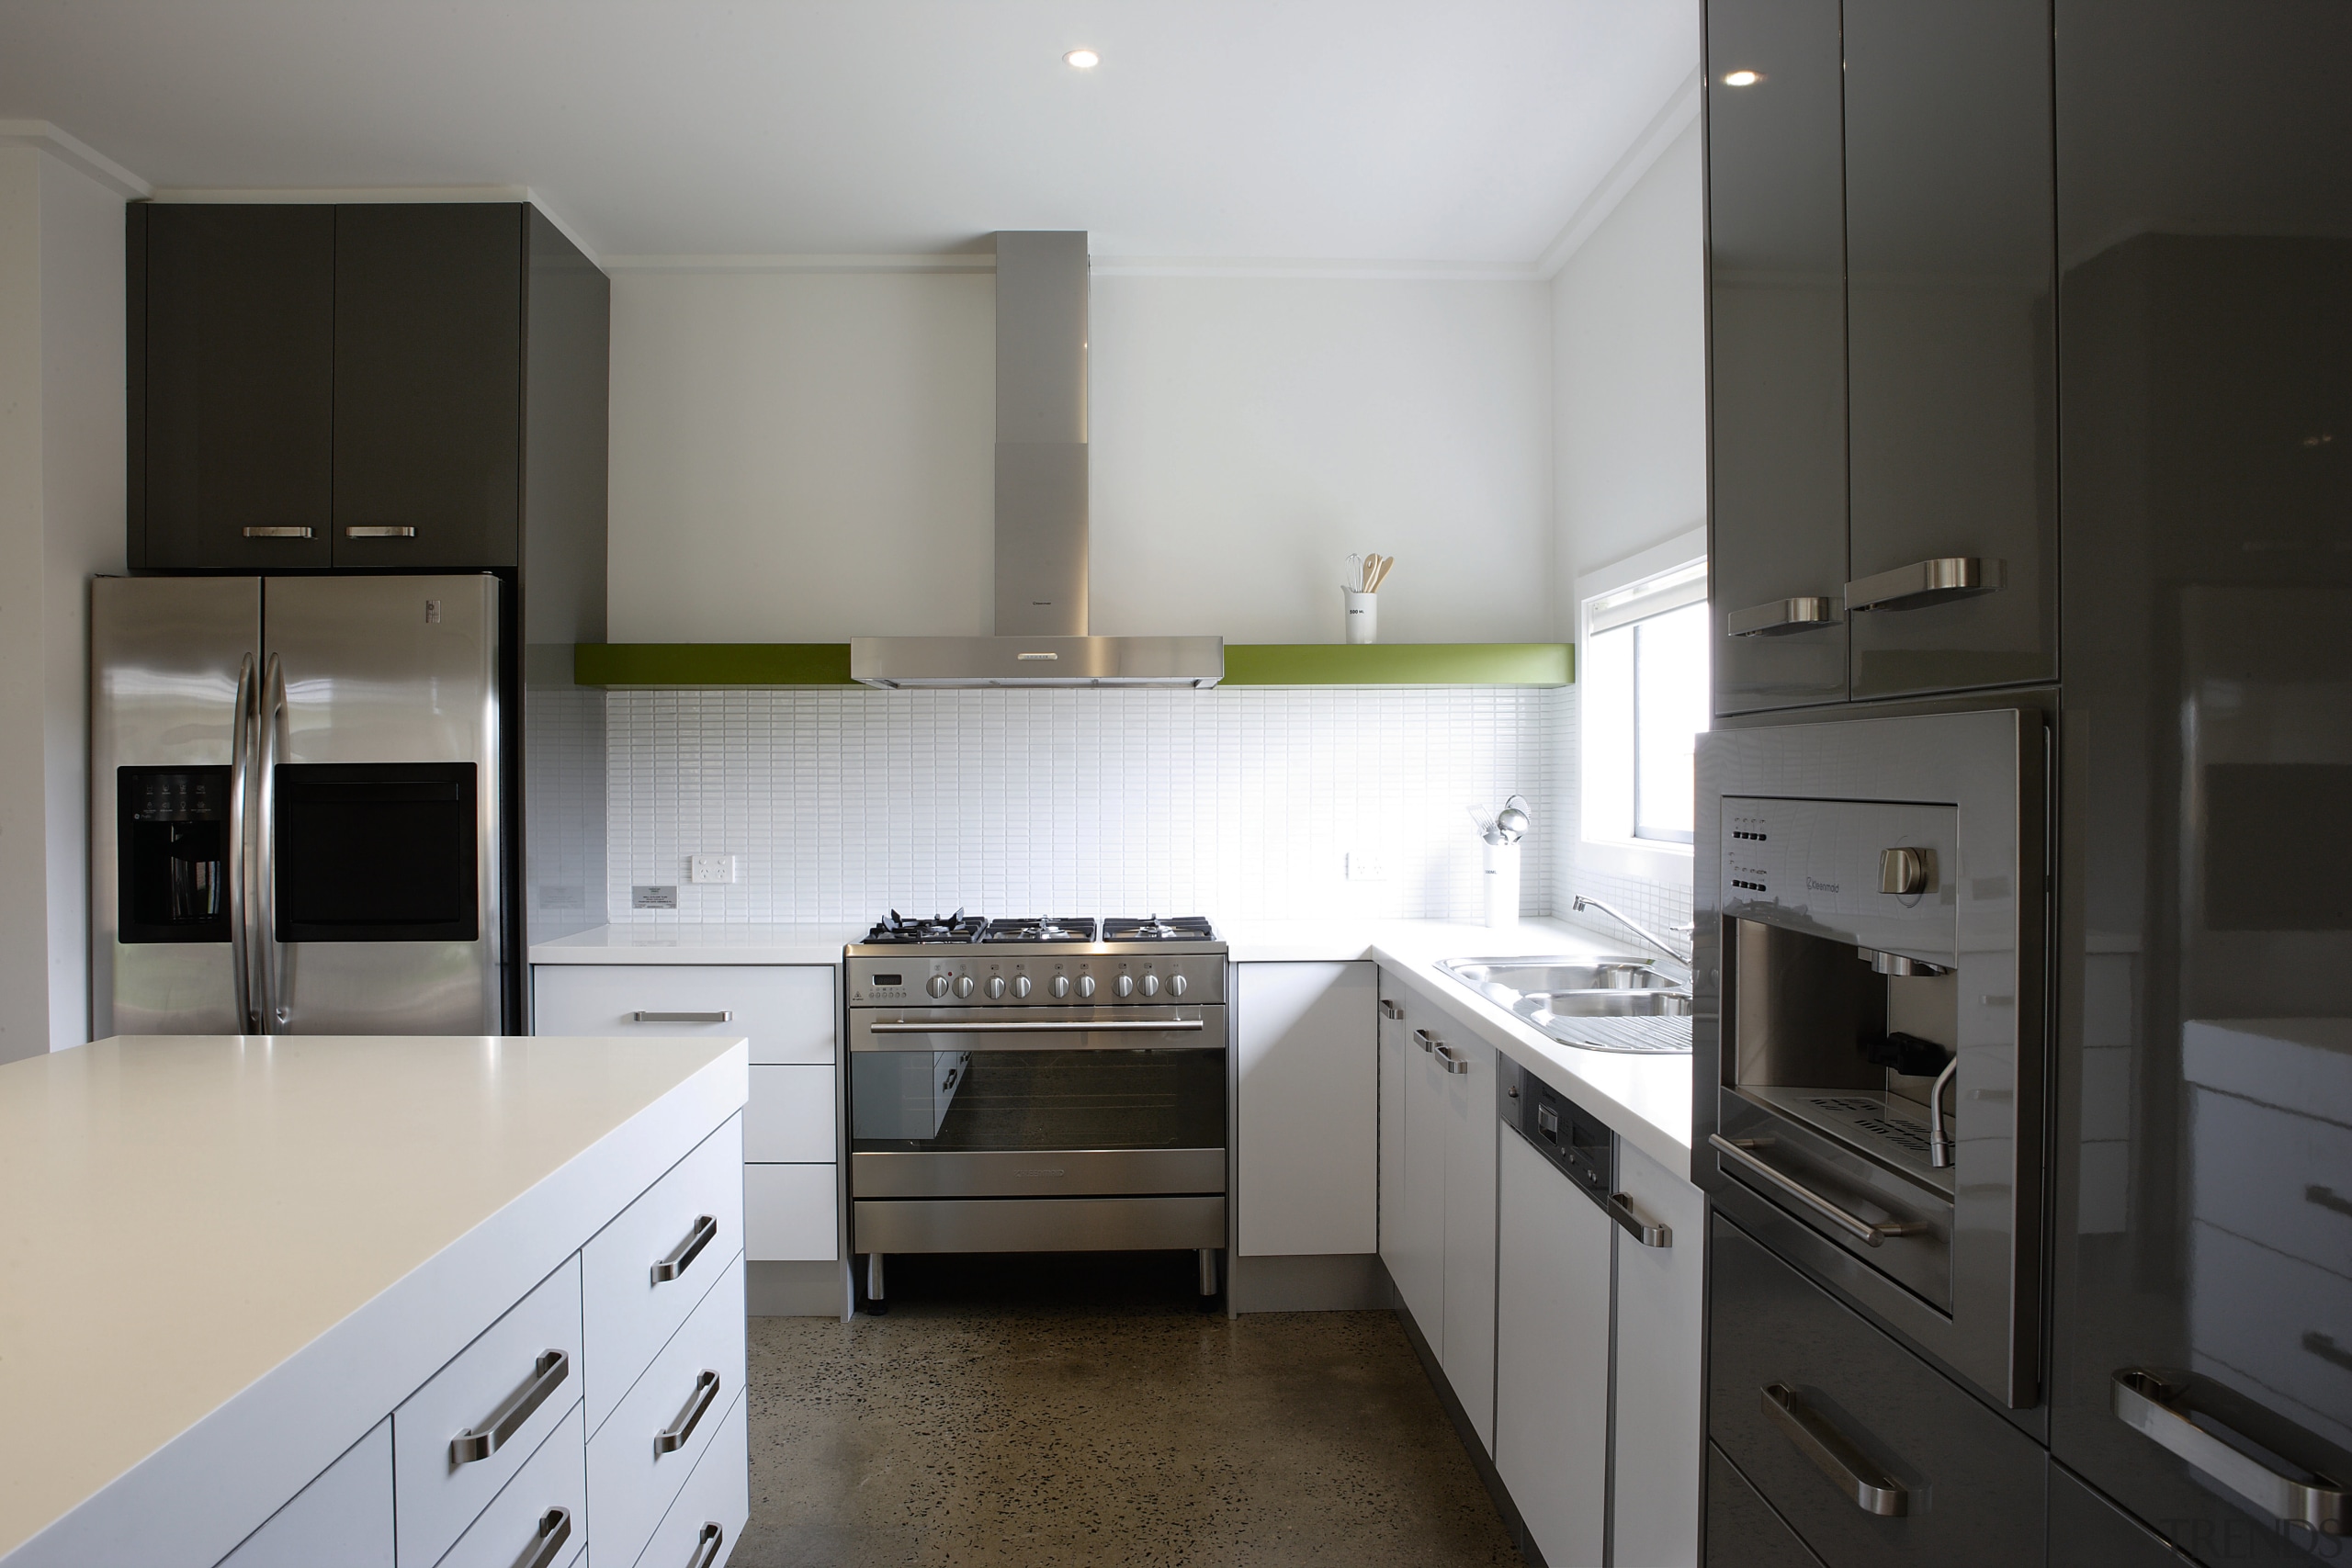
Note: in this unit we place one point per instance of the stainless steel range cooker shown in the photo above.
(1044, 1084)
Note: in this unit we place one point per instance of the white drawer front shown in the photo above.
(791, 1213)
(786, 1011)
(716, 1498)
(516, 1523)
(626, 1313)
(343, 1517)
(790, 1118)
(630, 1480)
(437, 1497)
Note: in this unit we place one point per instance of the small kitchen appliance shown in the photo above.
(1046, 1083)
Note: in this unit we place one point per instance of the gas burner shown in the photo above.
(899, 930)
(1151, 928)
(1070, 928)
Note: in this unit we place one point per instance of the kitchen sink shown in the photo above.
(1608, 1004)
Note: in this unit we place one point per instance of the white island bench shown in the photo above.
(372, 1302)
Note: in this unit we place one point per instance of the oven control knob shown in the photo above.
(1086, 985)
(963, 984)
(1175, 985)
(1151, 984)
(938, 986)
(996, 985)
(1125, 985)
(1061, 986)
(1021, 985)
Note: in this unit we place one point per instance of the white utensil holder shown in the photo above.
(1502, 886)
(1363, 615)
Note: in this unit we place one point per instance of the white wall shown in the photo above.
(808, 457)
(60, 520)
(1630, 375)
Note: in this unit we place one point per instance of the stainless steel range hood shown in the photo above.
(1041, 522)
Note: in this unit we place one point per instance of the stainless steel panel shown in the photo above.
(1041, 538)
(395, 670)
(1201, 968)
(1055, 660)
(1011, 1173)
(1990, 768)
(164, 654)
(1038, 1028)
(1035, 1224)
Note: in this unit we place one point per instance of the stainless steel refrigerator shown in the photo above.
(296, 805)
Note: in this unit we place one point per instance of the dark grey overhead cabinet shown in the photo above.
(352, 387)
(1882, 348)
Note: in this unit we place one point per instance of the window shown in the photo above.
(1643, 678)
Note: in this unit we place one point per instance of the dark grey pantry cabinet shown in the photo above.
(350, 386)
(1882, 348)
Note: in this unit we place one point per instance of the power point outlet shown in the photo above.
(710, 868)
(1367, 865)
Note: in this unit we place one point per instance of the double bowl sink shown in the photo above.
(1605, 1004)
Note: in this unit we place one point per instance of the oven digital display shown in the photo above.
(888, 980)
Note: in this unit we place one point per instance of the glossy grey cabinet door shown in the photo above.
(233, 388)
(2203, 1172)
(428, 385)
(1776, 345)
(2087, 1532)
(1951, 335)
(1742, 1529)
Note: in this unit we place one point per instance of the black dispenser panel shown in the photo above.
(172, 825)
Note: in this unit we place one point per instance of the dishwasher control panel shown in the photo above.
(1563, 1132)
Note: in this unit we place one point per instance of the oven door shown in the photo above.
(1049, 1102)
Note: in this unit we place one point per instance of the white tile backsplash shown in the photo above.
(1241, 802)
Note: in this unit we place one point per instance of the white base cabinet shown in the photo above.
(1307, 1107)
(792, 1127)
(1661, 1397)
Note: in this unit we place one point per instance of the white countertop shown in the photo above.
(181, 1216)
(1646, 1098)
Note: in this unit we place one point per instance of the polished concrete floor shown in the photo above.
(1084, 1411)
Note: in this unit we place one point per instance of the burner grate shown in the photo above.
(1151, 928)
(901, 930)
(1062, 928)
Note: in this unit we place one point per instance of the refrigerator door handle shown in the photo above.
(2157, 1410)
(241, 958)
(268, 955)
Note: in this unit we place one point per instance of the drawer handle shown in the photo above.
(1781, 617)
(1392, 1010)
(705, 1390)
(2327, 1198)
(1835, 1454)
(681, 1256)
(277, 533)
(1421, 1038)
(1925, 582)
(706, 1546)
(481, 1442)
(2157, 1410)
(683, 1017)
(379, 531)
(1860, 1230)
(555, 1529)
(1640, 1229)
(1448, 1060)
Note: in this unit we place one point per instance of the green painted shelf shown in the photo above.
(676, 664)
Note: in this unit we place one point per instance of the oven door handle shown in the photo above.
(1044, 1026)
(1861, 1230)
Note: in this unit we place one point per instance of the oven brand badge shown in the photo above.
(1813, 886)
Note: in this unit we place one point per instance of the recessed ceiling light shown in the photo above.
(1082, 58)
(1741, 78)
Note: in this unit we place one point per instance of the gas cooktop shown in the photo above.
(960, 929)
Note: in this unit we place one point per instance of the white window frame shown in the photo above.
(1604, 847)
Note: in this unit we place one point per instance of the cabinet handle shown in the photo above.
(275, 532)
(1860, 1230)
(674, 1438)
(683, 1256)
(481, 1442)
(555, 1529)
(1448, 1060)
(1391, 1011)
(1421, 1038)
(1781, 617)
(683, 1017)
(2327, 1198)
(379, 531)
(706, 1546)
(1616, 1207)
(1835, 1454)
(2157, 1410)
(2324, 1346)
(1925, 582)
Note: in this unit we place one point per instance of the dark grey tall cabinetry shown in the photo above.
(395, 388)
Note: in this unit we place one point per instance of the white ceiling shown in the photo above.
(1364, 130)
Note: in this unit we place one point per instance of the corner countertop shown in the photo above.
(1646, 1098)
(218, 1254)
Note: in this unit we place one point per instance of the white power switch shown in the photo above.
(1367, 865)
(711, 868)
